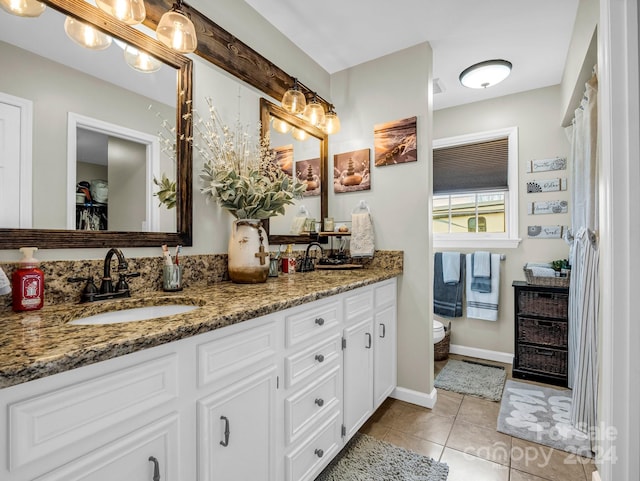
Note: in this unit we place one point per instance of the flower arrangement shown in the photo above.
(239, 171)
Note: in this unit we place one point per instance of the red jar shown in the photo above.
(28, 283)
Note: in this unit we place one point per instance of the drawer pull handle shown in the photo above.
(319, 401)
(319, 358)
(319, 321)
(156, 468)
(368, 334)
(319, 452)
(544, 323)
(225, 443)
(544, 353)
(384, 330)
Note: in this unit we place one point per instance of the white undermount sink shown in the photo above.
(134, 314)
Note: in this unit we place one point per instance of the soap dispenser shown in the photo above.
(28, 282)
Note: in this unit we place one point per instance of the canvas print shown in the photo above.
(284, 158)
(351, 171)
(544, 231)
(308, 172)
(396, 142)
(548, 207)
(544, 165)
(548, 185)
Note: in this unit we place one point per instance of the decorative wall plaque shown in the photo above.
(544, 165)
(547, 185)
(545, 231)
(548, 207)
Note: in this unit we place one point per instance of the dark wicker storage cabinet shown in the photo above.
(541, 333)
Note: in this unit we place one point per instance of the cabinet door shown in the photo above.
(384, 379)
(358, 375)
(236, 431)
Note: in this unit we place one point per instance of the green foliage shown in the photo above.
(167, 192)
(560, 264)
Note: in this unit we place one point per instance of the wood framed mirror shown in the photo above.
(56, 238)
(306, 158)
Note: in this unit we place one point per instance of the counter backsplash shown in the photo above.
(198, 270)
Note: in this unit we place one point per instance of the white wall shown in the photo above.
(536, 114)
(390, 88)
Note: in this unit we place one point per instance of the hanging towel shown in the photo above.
(481, 271)
(362, 239)
(447, 298)
(481, 305)
(451, 267)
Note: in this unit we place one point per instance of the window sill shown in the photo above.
(449, 242)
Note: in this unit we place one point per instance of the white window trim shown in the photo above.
(507, 239)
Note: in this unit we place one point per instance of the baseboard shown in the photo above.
(497, 356)
(416, 397)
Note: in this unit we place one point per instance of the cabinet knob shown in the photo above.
(319, 321)
(319, 452)
(156, 468)
(319, 402)
(319, 358)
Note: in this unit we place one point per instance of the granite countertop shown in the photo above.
(40, 343)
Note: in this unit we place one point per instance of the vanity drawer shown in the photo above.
(385, 294)
(304, 324)
(312, 360)
(305, 463)
(358, 304)
(304, 408)
(545, 332)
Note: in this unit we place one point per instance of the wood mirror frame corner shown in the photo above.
(60, 239)
(268, 110)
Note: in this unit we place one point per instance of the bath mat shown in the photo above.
(365, 458)
(541, 415)
(469, 377)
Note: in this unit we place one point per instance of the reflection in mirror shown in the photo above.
(302, 149)
(59, 93)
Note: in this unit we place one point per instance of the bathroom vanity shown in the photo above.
(271, 392)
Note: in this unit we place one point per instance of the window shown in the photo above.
(475, 190)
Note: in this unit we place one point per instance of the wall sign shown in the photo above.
(545, 231)
(548, 207)
(544, 165)
(547, 185)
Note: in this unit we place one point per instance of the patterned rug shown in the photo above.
(365, 458)
(469, 377)
(541, 415)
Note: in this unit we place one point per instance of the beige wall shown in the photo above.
(536, 114)
(393, 88)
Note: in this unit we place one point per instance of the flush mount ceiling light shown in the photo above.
(131, 12)
(176, 30)
(23, 8)
(485, 74)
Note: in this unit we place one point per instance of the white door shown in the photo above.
(15, 162)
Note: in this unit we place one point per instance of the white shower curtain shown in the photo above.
(584, 288)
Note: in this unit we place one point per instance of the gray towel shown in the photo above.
(481, 274)
(447, 298)
(451, 267)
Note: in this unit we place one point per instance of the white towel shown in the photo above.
(451, 267)
(482, 305)
(362, 238)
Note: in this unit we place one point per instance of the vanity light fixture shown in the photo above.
(280, 125)
(140, 60)
(331, 122)
(176, 30)
(131, 12)
(85, 35)
(299, 134)
(23, 8)
(485, 74)
(314, 112)
(293, 100)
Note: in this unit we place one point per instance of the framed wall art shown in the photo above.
(396, 142)
(308, 172)
(351, 171)
(284, 158)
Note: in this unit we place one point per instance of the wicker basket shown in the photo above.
(441, 349)
(543, 332)
(541, 359)
(543, 304)
(546, 281)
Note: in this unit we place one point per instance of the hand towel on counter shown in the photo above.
(447, 298)
(484, 305)
(451, 267)
(481, 271)
(362, 238)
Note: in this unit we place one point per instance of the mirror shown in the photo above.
(59, 174)
(308, 159)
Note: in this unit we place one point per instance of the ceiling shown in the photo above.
(533, 35)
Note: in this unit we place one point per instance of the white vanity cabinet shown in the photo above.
(385, 341)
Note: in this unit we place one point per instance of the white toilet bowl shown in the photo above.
(438, 331)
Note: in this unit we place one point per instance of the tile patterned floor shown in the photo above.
(461, 431)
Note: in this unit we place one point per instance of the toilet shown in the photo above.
(438, 331)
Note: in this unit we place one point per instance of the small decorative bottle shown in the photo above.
(28, 283)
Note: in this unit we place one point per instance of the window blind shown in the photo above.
(471, 167)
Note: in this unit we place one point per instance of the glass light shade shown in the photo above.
(85, 35)
(331, 123)
(314, 114)
(485, 74)
(299, 134)
(23, 8)
(293, 101)
(130, 12)
(280, 125)
(177, 32)
(141, 61)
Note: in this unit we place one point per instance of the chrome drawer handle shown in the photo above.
(319, 452)
(319, 402)
(319, 358)
(319, 321)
